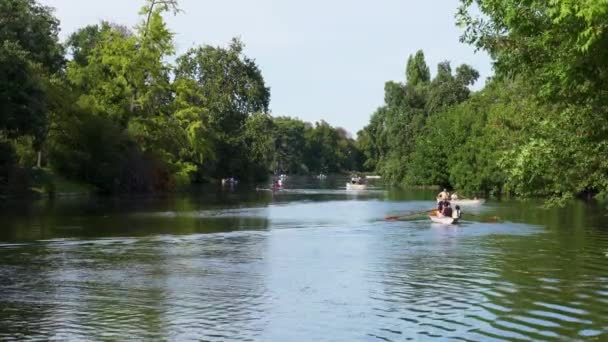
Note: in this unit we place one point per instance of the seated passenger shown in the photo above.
(457, 213)
(447, 210)
(440, 208)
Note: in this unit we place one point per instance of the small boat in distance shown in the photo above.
(373, 177)
(229, 181)
(351, 186)
(465, 202)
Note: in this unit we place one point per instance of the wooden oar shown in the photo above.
(394, 218)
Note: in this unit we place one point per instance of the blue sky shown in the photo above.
(322, 59)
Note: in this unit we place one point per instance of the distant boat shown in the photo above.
(229, 181)
(468, 202)
(351, 186)
(373, 177)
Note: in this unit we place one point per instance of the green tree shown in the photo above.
(260, 142)
(81, 44)
(33, 29)
(230, 87)
(29, 55)
(560, 48)
(390, 139)
(559, 45)
(23, 103)
(329, 149)
(290, 145)
(123, 78)
(417, 71)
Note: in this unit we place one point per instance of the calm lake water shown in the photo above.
(311, 263)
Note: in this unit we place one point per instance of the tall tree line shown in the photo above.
(108, 109)
(389, 140)
(538, 129)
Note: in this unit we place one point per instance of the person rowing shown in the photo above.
(442, 204)
(447, 209)
(444, 195)
(444, 209)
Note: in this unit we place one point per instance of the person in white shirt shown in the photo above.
(443, 196)
(456, 213)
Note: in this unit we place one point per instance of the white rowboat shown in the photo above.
(351, 186)
(443, 220)
(465, 202)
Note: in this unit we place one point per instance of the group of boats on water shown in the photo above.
(449, 207)
(356, 183)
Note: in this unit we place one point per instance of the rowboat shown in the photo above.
(351, 186)
(443, 220)
(465, 202)
(229, 181)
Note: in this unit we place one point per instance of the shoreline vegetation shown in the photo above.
(105, 112)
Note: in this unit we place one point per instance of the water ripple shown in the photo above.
(329, 270)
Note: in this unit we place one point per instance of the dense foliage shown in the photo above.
(114, 113)
(389, 140)
(109, 109)
(538, 128)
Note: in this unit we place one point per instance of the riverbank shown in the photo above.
(43, 183)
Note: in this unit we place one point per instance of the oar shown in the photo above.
(393, 218)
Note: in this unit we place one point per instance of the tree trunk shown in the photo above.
(39, 160)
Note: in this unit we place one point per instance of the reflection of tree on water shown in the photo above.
(424, 290)
(173, 279)
(26, 301)
(99, 217)
(490, 281)
(173, 287)
(555, 289)
(70, 290)
(214, 287)
(177, 286)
